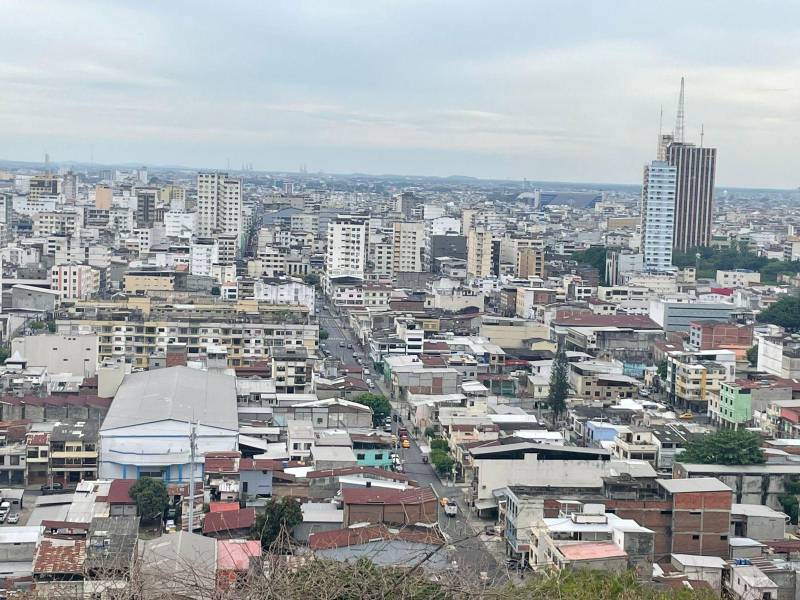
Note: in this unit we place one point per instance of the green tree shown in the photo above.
(150, 496)
(278, 514)
(444, 464)
(311, 279)
(559, 385)
(594, 256)
(662, 369)
(726, 447)
(4, 354)
(752, 355)
(785, 313)
(37, 325)
(323, 335)
(440, 444)
(381, 407)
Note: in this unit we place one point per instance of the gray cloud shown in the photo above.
(562, 91)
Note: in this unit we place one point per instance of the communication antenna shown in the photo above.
(680, 118)
(702, 134)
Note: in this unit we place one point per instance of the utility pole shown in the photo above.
(192, 452)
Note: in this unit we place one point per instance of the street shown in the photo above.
(465, 542)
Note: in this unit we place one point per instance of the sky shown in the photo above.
(558, 91)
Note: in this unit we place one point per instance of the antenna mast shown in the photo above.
(702, 134)
(680, 118)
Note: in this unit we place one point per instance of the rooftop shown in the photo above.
(697, 484)
(175, 393)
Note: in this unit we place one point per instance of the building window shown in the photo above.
(360, 456)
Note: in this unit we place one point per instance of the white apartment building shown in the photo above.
(49, 222)
(738, 278)
(180, 224)
(219, 205)
(74, 282)
(347, 242)
(658, 214)
(202, 256)
(408, 244)
(285, 290)
(74, 249)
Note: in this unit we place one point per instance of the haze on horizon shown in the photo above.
(511, 89)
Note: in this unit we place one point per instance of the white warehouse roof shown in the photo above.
(177, 394)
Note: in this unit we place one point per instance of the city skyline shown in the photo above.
(508, 93)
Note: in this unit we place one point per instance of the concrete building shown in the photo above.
(740, 398)
(780, 355)
(75, 354)
(285, 290)
(479, 252)
(738, 278)
(693, 378)
(147, 430)
(219, 205)
(677, 313)
(530, 262)
(75, 282)
(409, 246)
(346, 247)
(203, 255)
(658, 215)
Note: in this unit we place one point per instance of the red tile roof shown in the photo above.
(223, 506)
(220, 464)
(264, 464)
(60, 556)
(339, 538)
(356, 470)
(119, 492)
(375, 495)
(232, 520)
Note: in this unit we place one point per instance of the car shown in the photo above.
(366, 371)
(13, 518)
(406, 443)
(493, 530)
(342, 344)
(55, 488)
(349, 346)
(388, 419)
(644, 393)
(444, 500)
(451, 508)
(387, 427)
(170, 527)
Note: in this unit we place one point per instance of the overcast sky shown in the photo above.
(562, 91)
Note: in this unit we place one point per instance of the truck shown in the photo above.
(451, 508)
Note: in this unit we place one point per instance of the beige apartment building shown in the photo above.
(248, 330)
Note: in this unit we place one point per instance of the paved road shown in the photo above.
(466, 547)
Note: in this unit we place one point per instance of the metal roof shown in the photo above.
(695, 484)
(175, 393)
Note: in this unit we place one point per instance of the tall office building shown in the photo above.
(219, 205)
(694, 193)
(347, 245)
(658, 214)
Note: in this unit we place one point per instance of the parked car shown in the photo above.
(5, 508)
(55, 488)
(387, 427)
(13, 518)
